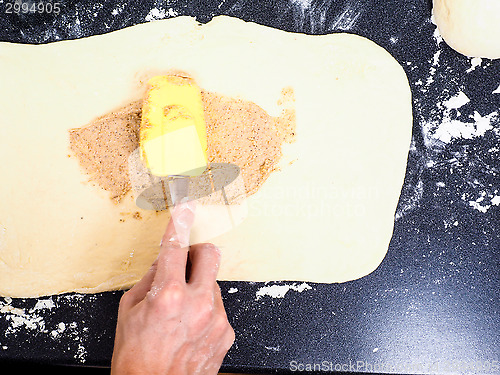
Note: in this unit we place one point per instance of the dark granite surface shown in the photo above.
(431, 306)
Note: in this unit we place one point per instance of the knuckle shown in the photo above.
(173, 293)
(205, 313)
(170, 296)
(205, 296)
(203, 319)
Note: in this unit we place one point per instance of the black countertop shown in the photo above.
(433, 304)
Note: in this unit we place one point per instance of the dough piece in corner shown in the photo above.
(471, 27)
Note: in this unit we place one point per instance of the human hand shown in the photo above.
(167, 325)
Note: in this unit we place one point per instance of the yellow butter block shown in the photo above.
(173, 137)
(178, 152)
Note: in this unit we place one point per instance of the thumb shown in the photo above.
(179, 226)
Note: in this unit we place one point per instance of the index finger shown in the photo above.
(172, 259)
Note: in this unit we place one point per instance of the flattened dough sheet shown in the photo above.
(326, 216)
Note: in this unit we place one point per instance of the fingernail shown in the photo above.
(182, 219)
(188, 204)
(183, 214)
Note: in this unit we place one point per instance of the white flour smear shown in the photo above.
(280, 290)
(456, 132)
(36, 321)
(159, 14)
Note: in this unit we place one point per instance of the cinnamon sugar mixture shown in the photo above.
(238, 132)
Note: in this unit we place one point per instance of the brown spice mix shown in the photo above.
(238, 132)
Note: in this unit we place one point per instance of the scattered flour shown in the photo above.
(450, 129)
(279, 291)
(485, 201)
(159, 14)
(457, 101)
(435, 60)
(34, 321)
(118, 9)
(58, 331)
(19, 318)
(273, 348)
(44, 304)
(474, 63)
(448, 119)
(313, 17)
(437, 35)
(347, 18)
(304, 4)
